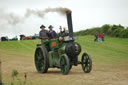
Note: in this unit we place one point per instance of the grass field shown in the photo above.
(110, 63)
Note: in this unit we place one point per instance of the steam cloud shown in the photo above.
(13, 19)
(41, 13)
(9, 18)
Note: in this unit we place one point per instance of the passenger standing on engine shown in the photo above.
(52, 33)
(44, 34)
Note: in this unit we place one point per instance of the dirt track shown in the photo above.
(102, 74)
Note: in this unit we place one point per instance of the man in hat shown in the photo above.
(52, 33)
(43, 33)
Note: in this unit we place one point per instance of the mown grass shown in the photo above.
(112, 50)
(109, 57)
(18, 46)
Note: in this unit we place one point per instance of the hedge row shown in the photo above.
(110, 30)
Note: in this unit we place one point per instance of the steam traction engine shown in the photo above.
(61, 52)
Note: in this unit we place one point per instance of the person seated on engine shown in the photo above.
(43, 34)
(52, 33)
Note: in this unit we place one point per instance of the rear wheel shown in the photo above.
(41, 59)
(70, 67)
(86, 63)
(64, 63)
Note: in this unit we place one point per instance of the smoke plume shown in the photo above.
(13, 19)
(9, 18)
(41, 13)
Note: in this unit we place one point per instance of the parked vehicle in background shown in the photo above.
(36, 36)
(4, 38)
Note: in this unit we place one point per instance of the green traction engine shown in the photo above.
(61, 52)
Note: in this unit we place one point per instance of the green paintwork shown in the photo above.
(50, 59)
(62, 47)
(45, 41)
(56, 57)
(56, 49)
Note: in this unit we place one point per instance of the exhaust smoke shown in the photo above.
(13, 19)
(9, 18)
(41, 13)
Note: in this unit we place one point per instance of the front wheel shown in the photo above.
(86, 62)
(64, 64)
(41, 59)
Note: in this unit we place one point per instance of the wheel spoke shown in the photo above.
(39, 60)
(84, 66)
(86, 63)
(87, 68)
(63, 62)
(65, 68)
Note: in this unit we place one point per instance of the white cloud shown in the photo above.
(86, 14)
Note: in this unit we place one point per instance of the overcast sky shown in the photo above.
(85, 14)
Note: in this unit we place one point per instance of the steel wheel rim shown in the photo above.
(39, 60)
(64, 64)
(86, 63)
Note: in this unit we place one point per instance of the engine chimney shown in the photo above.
(69, 22)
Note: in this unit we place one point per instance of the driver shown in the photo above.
(44, 34)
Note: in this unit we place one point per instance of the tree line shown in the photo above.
(109, 30)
